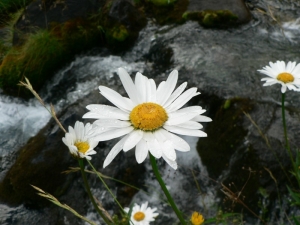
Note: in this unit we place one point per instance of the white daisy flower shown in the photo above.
(286, 75)
(148, 118)
(141, 215)
(80, 144)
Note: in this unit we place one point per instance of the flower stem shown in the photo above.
(88, 190)
(287, 144)
(107, 188)
(165, 190)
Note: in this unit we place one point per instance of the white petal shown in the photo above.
(111, 123)
(133, 138)
(191, 125)
(97, 130)
(113, 134)
(152, 144)
(178, 142)
(140, 83)
(105, 111)
(114, 151)
(164, 93)
(115, 98)
(171, 163)
(148, 91)
(283, 88)
(271, 83)
(168, 150)
(182, 99)
(79, 130)
(141, 151)
(152, 95)
(201, 118)
(194, 108)
(175, 94)
(267, 79)
(181, 119)
(159, 135)
(129, 86)
(159, 89)
(184, 131)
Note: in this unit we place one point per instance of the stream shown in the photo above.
(222, 64)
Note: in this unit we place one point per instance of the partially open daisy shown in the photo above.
(148, 118)
(142, 215)
(197, 218)
(288, 75)
(80, 144)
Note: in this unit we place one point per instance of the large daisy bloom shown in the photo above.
(141, 215)
(148, 118)
(288, 75)
(80, 144)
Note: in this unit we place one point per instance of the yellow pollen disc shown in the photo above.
(82, 146)
(197, 219)
(148, 116)
(285, 77)
(139, 216)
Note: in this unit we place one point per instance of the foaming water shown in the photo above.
(18, 122)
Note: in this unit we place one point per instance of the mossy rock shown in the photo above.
(45, 52)
(213, 18)
(165, 11)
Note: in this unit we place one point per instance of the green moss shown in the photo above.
(35, 59)
(117, 33)
(162, 2)
(227, 104)
(212, 18)
(166, 11)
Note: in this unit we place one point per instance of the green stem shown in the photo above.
(107, 188)
(165, 190)
(88, 190)
(287, 144)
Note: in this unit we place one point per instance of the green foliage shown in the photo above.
(10, 6)
(35, 59)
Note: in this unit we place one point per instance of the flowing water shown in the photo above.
(220, 63)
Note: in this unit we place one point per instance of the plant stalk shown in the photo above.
(287, 144)
(165, 190)
(88, 190)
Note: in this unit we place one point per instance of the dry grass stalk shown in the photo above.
(54, 200)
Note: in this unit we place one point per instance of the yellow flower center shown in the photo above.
(82, 146)
(197, 219)
(285, 77)
(148, 116)
(139, 216)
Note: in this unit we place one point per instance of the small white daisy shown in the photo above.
(141, 215)
(80, 144)
(286, 75)
(148, 118)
